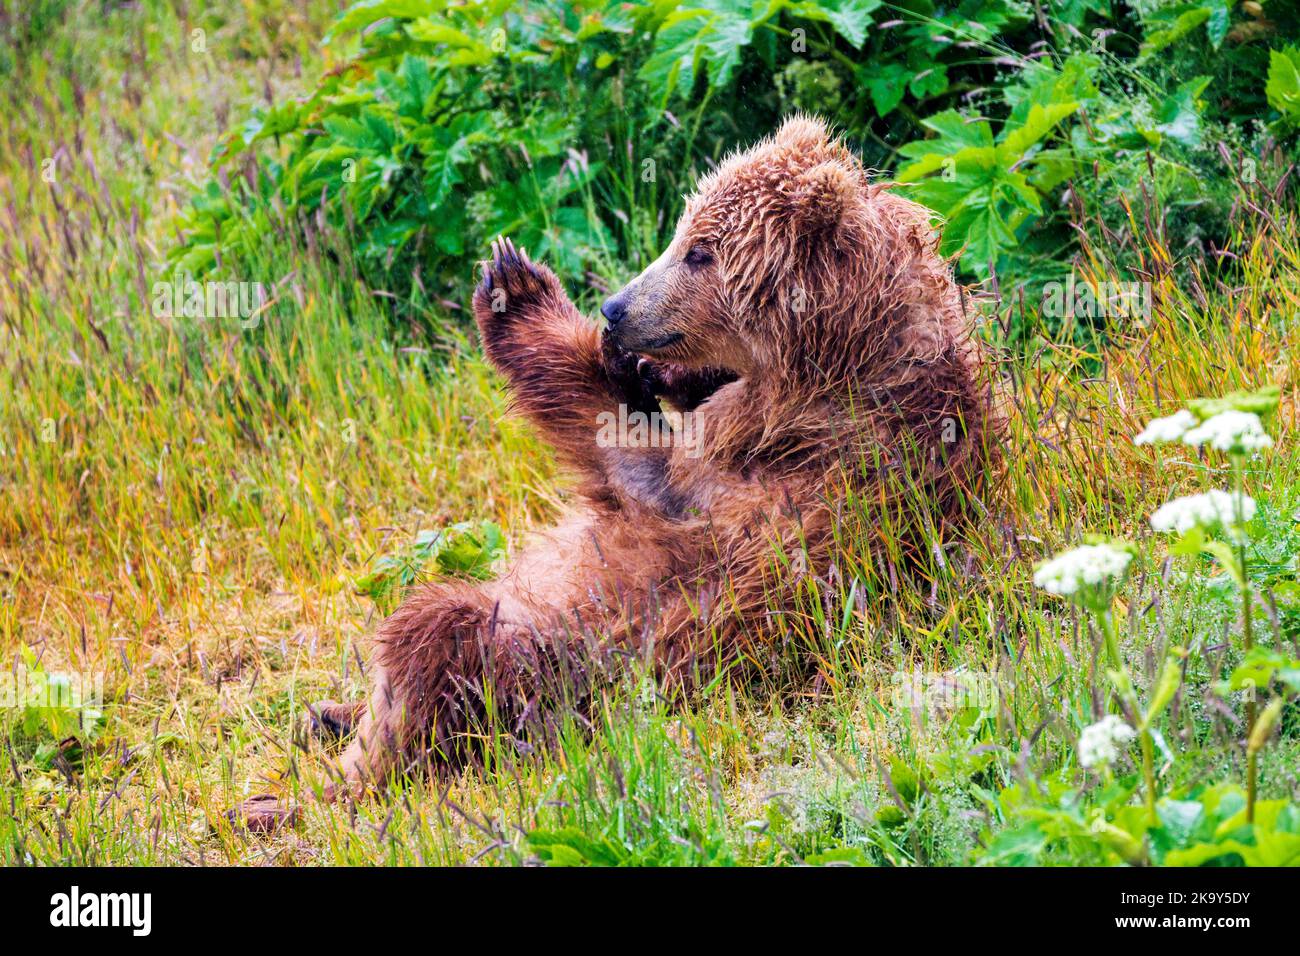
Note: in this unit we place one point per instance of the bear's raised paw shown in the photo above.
(512, 284)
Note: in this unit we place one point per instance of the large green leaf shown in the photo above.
(850, 18)
(463, 49)
(1172, 25)
(1016, 141)
(1179, 115)
(363, 14)
(709, 35)
(953, 129)
(982, 189)
(886, 83)
(1283, 86)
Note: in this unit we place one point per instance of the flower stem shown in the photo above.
(1248, 638)
(1110, 633)
(1149, 773)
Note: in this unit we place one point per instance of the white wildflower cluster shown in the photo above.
(1087, 574)
(1167, 429)
(1238, 433)
(1100, 742)
(1213, 509)
(1231, 431)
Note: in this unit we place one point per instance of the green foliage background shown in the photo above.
(576, 128)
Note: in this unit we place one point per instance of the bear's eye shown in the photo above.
(698, 256)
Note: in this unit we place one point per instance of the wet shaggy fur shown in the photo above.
(803, 314)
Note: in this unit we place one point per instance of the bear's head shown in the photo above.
(787, 263)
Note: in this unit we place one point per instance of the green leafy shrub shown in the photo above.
(461, 550)
(1284, 85)
(58, 715)
(577, 127)
(1038, 824)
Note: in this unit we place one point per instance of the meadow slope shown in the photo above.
(185, 510)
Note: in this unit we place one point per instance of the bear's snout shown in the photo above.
(615, 309)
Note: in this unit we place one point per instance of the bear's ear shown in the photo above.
(803, 132)
(822, 194)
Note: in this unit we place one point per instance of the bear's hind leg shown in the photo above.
(374, 751)
(434, 654)
(330, 720)
(447, 674)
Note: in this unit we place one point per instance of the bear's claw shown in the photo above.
(330, 720)
(264, 813)
(511, 280)
(631, 378)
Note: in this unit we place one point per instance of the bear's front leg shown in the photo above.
(560, 374)
(684, 388)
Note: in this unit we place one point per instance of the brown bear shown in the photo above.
(808, 338)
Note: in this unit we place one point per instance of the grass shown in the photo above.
(185, 508)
